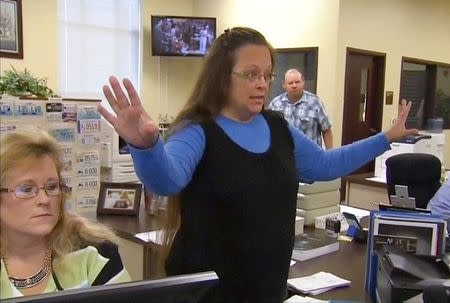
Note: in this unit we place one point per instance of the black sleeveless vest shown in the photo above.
(238, 216)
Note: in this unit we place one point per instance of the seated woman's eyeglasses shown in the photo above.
(31, 190)
(252, 76)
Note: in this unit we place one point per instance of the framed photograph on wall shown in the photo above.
(11, 41)
(119, 198)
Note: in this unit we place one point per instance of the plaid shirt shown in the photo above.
(308, 114)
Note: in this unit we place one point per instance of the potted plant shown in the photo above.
(24, 84)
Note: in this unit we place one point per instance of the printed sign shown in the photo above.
(91, 183)
(6, 108)
(54, 107)
(88, 113)
(67, 164)
(7, 129)
(54, 117)
(87, 171)
(67, 180)
(63, 134)
(87, 139)
(88, 126)
(66, 150)
(88, 158)
(87, 202)
(69, 113)
(54, 112)
(29, 109)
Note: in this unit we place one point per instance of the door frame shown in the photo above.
(314, 50)
(379, 93)
(431, 78)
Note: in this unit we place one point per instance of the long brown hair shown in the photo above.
(210, 92)
(207, 99)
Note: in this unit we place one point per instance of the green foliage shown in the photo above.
(443, 106)
(20, 83)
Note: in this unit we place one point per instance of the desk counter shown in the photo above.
(348, 263)
(138, 256)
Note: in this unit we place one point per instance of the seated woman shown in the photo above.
(44, 248)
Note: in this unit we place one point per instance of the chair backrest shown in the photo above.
(420, 172)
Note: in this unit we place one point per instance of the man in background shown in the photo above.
(440, 203)
(303, 109)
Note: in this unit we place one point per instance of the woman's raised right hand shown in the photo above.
(131, 121)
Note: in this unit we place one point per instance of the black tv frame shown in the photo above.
(153, 17)
(185, 288)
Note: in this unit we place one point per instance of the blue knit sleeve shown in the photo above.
(440, 203)
(315, 164)
(167, 168)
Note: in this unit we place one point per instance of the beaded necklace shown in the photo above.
(35, 279)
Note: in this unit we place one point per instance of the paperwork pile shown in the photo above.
(317, 283)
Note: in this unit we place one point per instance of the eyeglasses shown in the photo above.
(31, 190)
(252, 75)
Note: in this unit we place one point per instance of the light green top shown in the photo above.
(78, 269)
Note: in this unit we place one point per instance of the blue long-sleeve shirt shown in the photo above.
(440, 203)
(167, 168)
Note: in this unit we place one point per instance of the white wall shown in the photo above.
(40, 41)
(166, 82)
(410, 28)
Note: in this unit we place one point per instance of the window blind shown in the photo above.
(97, 39)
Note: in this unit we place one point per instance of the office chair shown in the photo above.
(420, 172)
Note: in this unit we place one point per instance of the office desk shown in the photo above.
(139, 256)
(349, 263)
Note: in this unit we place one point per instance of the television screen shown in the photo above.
(182, 36)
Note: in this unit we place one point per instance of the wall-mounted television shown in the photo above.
(182, 36)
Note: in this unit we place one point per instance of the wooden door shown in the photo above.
(363, 97)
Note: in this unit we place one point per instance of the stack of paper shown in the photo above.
(313, 244)
(317, 283)
(299, 299)
(155, 236)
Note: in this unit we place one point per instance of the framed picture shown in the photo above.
(119, 198)
(11, 42)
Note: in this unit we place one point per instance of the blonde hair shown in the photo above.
(72, 231)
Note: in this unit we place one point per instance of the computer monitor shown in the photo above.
(178, 289)
(113, 149)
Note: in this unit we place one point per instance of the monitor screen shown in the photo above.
(182, 36)
(192, 288)
(124, 149)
